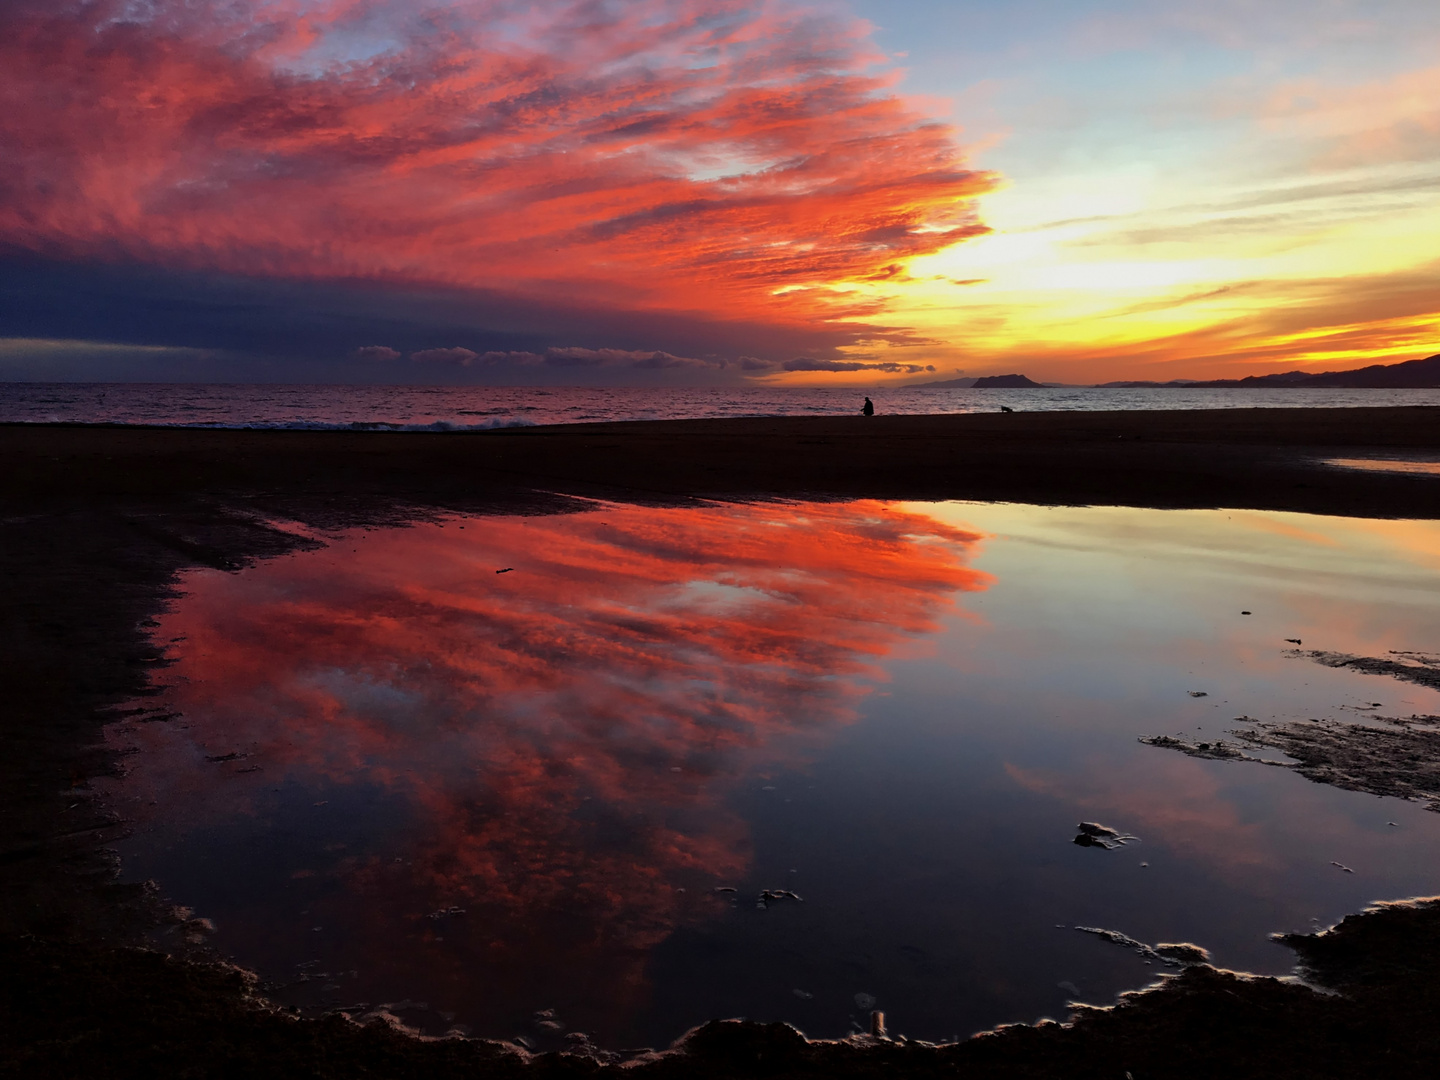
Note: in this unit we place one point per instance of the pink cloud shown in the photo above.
(1381, 121)
(672, 155)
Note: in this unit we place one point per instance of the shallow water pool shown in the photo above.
(621, 771)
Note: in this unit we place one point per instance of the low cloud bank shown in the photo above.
(804, 363)
(638, 360)
(566, 357)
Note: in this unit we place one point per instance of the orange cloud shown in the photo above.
(670, 155)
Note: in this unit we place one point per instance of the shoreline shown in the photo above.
(1264, 459)
(96, 522)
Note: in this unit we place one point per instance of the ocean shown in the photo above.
(458, 408)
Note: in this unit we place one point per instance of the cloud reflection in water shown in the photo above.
(551, 749)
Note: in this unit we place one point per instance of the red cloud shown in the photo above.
(683, 155)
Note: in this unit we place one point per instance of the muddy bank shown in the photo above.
(95, 523)
(74, 1010)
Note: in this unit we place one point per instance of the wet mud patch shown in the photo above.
(1171, 954)
(1420, 668)
(1402, 761)
(1394, 756)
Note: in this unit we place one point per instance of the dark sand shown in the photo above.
(95, 522)
(1251, 458)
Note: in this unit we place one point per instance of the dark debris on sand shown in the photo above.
(1420, 668)
(1093, 834)
(1394, 756)
(1403, 762)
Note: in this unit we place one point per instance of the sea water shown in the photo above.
(447, 408)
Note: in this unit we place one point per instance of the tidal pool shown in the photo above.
(530, 776)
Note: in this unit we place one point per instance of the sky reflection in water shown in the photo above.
(898, 711)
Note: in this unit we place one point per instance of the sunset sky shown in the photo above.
(716, 191)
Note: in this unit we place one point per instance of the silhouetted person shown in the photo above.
(869, 409)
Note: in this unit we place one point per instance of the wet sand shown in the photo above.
(139, 1013)
(1251, 458)
(95, 522)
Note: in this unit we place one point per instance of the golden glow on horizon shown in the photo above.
(1317, 251)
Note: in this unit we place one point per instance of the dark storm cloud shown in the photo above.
(279, 330)
(805, 363)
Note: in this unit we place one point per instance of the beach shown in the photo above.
(1243, 458)
(98, 520)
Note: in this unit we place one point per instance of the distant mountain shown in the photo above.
(1408, 375)
(1000, 382)
(985, 382)
(944, 384)
(1005, 382)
